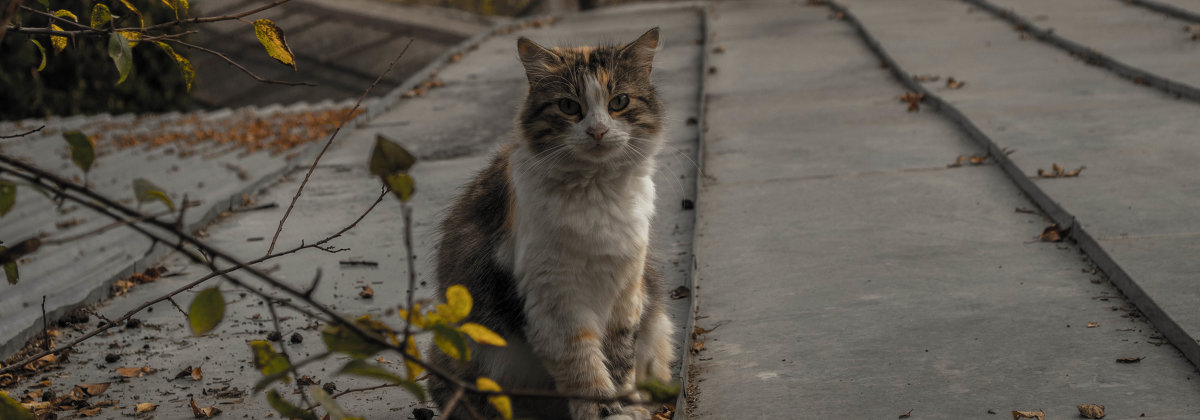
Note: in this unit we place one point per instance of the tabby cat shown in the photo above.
(552, 240)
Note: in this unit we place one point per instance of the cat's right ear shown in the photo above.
(536, 59)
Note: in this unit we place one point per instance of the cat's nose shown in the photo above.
(597, 131)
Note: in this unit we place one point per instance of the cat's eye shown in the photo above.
(568, 106)
(618, 103)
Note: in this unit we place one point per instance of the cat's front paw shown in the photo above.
(630, 413)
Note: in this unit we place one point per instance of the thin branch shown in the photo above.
(105, 228)
(345, 119)
(56, 18)
(406, 212)
(13, 136)
(448, 409)
(235, 64)
(283, 350)
(176, 305)
(89, 31)
(369, 388)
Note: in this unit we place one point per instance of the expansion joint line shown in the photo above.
(1165, 9)
(1171, 330)
(1090, 55)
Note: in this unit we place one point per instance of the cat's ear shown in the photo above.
(641, 51)
(536, 58)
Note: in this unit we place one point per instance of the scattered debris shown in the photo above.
(1130, 359)
(203, 412)
(1039, 415)
(919, 78)
(429, 84)
(1054, 233)
(359, 262)
(1024, 210)
(421, 413)
(681, 292)
(697, 347)
(1057, 171)
(1093, 324)
(195, 373)
(954, 84)
(974, 160)
(906, 415)
(692, 121)
(367, 292)
(719, 50)
(688, 204)
(1091, 411)
(134, 372)
(913, 99)
(274, 336)
(666, 412)
(144, 407)
(297, 338)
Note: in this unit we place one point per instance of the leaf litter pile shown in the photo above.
(243, 132)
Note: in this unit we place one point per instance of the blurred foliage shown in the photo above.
(483, 7)
(81, 79)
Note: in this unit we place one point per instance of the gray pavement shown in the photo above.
(841, 269)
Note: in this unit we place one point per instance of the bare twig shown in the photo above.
(369, 388)
(6, 15)
(448, 409)
(45, 326)
(105, 228)
(89, 31)
(176, 305)
(235, 64)
(345, 119)
(283, 350)
(13, 136)
(406, 212)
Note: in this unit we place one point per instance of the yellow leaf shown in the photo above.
(131, 36)
(501, 402)
(66, 13)
(43, 64)
(412, 368)
(185, 66)
(417, 319)
(59, 42)
(100, 15)
(482, 334)
(458, 304)
(141, 21)
(273, 40)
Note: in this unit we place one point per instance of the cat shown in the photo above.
(552, 240)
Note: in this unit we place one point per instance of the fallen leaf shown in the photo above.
(926, 78)
(1093, 324)
(92, 389)
(697, 347)
(1039, 415)
(977, 160)
(197, 374)
(906, 415)
(203, 412)
(1091, 411)
(1130, 359)
(134, 372)
(1053, 233)
(681, 292)
(89, 412)
(1024, 210)
(1074, 173)
(913, 99)
(367, 292)
(144, 407)
(954, 84)
(958, 161)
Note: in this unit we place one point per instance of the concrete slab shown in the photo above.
(874, 280)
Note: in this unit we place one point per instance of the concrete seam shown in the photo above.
(1090, 55)
(1174, 333)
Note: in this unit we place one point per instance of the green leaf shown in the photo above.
(332, 408)
(361, 368)
(185, 66)
(344, 340)
(501, 402)
(663, 392)
(100, 16)
(273, 40)
(10, 409)
(141, 20)
(286, 409)
(401, 185)
(41, 50)
(206, 310)
(10, 273)
(8, 196)
(118, 50)
(451, 341)
(83, 149)
(45, 4)
(145, 191)
(388, 158)
(58, 42)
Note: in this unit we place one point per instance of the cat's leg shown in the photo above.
(620, 349)
(655, 347)
(567, 340)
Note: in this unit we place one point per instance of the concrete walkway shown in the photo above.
(842, 269)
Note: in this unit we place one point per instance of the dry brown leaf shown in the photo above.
(1053, 233)
(134, 372)
(926, 78)
(42, 384)
(906, 415)
(1039, 415)
(197, 374)
(92, 389)
(367, 292)
(1091, 411)
(697, 347)
(977, 160)
(1058, 169)
(203, 412)
(958, 161)
(144, 407)
(1093, 324)
(1074, 173)
(105, 403)
(913, 99)
(954, 84)
(89, 412)
(36, 406)
(1024, 210)
(1129, 359)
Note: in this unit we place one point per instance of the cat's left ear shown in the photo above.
(641, 51)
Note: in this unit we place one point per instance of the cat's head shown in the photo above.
(595, 104)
